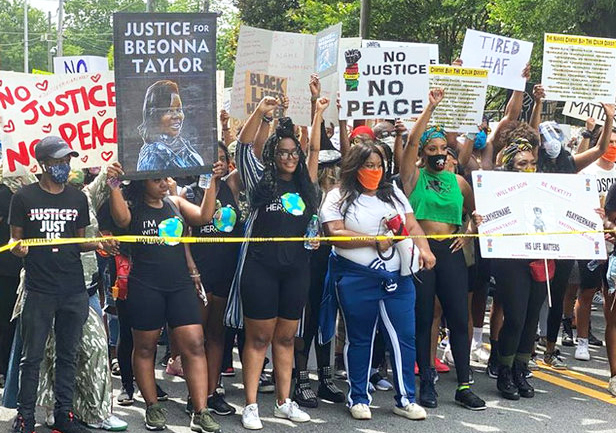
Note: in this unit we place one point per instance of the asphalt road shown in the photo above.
(574, 400)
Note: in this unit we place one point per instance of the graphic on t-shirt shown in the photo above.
(293, 203)
(171, 227)
(53, 220)
(225, 219)
(437, 186)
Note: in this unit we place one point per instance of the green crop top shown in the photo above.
(437, 197)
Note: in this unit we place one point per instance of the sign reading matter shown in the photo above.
(535, 205)
(79, 108)
(383, 82)
(505, 58)
(584, 110)
(579, 68)
(258, 86)
(165, 70)
(461, 109)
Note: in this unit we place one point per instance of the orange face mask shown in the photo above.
(610, 155)
(369, 178)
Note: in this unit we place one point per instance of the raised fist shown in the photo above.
(352, 56)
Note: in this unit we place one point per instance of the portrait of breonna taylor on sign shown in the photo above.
(165, 70)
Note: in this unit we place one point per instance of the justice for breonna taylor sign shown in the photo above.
(165, 72)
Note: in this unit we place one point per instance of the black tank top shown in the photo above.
(155, 265)
(216, 262)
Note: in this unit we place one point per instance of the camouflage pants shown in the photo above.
(93, 387)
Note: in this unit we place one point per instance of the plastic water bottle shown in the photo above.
(312, 231)
(592, 265)
(205, 180)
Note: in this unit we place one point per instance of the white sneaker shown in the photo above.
(479, 353)
(361, 411)
(612, 386)
(113, 423)
(448, 357)
(50, 419)
(581, 352)
(250, 417)
(411, 411)
(290, 410)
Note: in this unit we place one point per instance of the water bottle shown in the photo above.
(592, 265)
(312, 231)
(205, 180)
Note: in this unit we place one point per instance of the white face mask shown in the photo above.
(552, 147)
(389, 141)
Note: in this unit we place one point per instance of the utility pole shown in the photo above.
(60, 25)
(364, 19)
(149, 6)
(206, 6)
(49, 59)
(26, 36)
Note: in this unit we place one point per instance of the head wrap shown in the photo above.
(516, 146)
(432, 133)
(363, 129)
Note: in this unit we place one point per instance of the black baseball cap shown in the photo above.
(52, 147)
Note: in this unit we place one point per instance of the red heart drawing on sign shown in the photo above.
(107, 155)
(34, 169)
(101, 113)
(42, 86)
(9, 127)
(96, 77)
(46, 128)
(84, 159)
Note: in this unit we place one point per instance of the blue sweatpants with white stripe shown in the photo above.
(365, 304)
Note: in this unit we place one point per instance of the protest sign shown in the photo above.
(326, 50)
(220, 96)
(80, 64)
(461, 109)
(579, 68)
(41, 72)
(505, 58)
(538, 205)
(383, 82)
(370, 43)
(258, 86)
(80, 108)
(583, 110)
(165, 69)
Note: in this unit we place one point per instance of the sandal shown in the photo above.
(115, 367)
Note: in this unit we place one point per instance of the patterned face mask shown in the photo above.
(293, 203)
(171, 227)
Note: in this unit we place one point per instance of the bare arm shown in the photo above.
(465, 152)
(17, 234)
(200, 215)
(345, 144)
(315, 93)
(538, 94)
(249, 132)
(398, 145)
(586, 158)
(227, 137)
(590, 126)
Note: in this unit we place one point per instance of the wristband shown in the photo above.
(313, 98)
(586, 134)
(195, 275)
(268, 119)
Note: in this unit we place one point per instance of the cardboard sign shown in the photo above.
(533, 204)
(369, 43)
(165, 69)
(79, 108)
(461, 109)
(583, 110)
(505, 58)
(326, 50)
(80, 64)
(381, 83)
(579, 68)
(258, 86)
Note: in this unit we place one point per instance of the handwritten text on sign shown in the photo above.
(383, 82)
(258, 86)
(79, 108)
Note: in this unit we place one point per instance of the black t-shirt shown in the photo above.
(158, 266)
(216, 262)
(10, 265)
(54, 269)
(563, 163)
(287, 216)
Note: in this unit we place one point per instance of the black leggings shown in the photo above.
(449, 281)
(125, 345)
(318, 269)
(521, 298)
(8, 295)
(558, 289)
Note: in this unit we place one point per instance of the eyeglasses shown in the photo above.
(386, 134)
(286, 154)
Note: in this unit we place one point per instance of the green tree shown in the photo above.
(269, 14)
(315, 15)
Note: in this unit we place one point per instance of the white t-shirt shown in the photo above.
(605, 179)
(365, 215)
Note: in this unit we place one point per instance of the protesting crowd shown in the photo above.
(398, 276)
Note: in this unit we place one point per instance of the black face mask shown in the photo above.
(437, 162)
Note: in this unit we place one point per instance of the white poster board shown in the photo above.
(505, 58)
(370, 43)
(80, 64)
(220, 96)
(533, 204)
(461, 109)
(377, 83)
(579, 68)
(583, 110)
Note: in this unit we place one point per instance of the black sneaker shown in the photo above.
(525, 389)
(327, 388)
(594, 341)
(427, 393)
(467, 398)
(266, 385)
(21, 425)
(492, 369)
(505, 384)
(567, 336)
(303, 394)
(216, 403)
(67, 423)
(160, 394)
